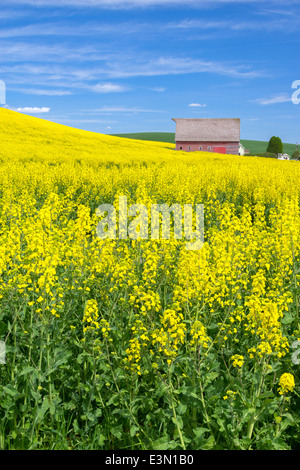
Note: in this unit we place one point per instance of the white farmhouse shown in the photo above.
(283, 156)
(241, 149)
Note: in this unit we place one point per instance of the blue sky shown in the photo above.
(116, 66)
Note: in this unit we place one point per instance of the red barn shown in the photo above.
(208, 135)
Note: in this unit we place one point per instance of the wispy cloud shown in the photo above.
(30, 91)
(107, 88)
(158, 89)
(281, 98)
(263, 22)
(114, 66)
(21, 51)
(121, 109)
(197, 105)
(177, 66)
(267, 23)
(32, 110)
(82, 121)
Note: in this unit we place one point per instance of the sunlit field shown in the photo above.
(140, 343)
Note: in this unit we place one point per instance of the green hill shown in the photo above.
(151, 136)
(255, 147)
(260, 146)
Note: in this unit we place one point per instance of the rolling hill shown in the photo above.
(255, 147)
(34, 139)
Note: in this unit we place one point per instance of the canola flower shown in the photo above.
(91, 315)
(144, 305)
(137, 344)
(199, 335)
(286, 383)
(237, 360)
(229, 395)
(171, 335)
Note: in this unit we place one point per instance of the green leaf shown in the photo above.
(52, 409)
(114, 399)
(178, 421)
(43, 409)
(211, 376)
(242, 444)
(200, 431)
(117, 431)
(75, 426)
(27, 370)
(221, 424)
(287, 319)
(80, 358)
(11, 390)
(181, 409)
(266, 395)
(133, 430)
(164, 443)
(101, 440)
(200, 436)
(209, 444)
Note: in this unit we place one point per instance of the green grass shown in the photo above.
(151, 136)
(255, 147)
(259, 146)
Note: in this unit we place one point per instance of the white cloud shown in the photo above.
(290, 23)
(31, 91)
(118, 66)
(121, 109)
(175, 66)
(282, 98)
(80, 121)
(66, 79)
(158, 89)
(33, 110)
(197, 105)
(107, 88)
(49, 92)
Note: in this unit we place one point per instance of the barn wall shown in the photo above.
(231, 147)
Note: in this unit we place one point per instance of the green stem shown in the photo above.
(250, 428)
(194, 411)
(254, 401)
(48, 366)
(29, 359)
(14, 356)
(121, 396)
(203, 404)
(174, 413)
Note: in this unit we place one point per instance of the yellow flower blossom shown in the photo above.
(286, 383)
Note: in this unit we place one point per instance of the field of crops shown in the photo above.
(141, 343)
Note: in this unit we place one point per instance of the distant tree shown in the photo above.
(296, 155)
(275, 145)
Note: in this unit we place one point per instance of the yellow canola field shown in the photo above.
(148, 310)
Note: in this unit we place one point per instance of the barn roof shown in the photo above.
(207, 130)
